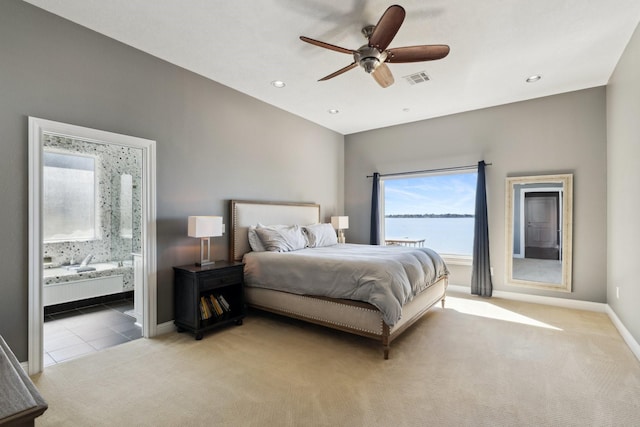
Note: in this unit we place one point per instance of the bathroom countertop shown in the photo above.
(53, 275)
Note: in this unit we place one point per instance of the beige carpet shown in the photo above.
(478, 362)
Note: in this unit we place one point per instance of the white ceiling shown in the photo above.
(495, 46)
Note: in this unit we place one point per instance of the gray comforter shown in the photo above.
(384, 276)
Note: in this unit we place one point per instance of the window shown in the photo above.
(69, 197)
(436, 208)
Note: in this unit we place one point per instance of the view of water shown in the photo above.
(444, 235)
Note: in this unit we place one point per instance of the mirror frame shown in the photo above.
(567, 225)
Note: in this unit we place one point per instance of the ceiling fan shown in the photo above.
(374, 55)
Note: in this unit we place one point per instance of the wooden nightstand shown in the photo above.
(208, 297)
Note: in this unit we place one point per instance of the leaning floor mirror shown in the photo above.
(538, 231)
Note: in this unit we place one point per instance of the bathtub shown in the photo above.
(62, 285)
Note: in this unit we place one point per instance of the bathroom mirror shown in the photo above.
(126, 206)
(538, 231)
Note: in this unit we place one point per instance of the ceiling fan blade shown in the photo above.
(340, 71)
(326, 45)
(417, 53)
(382, 75)
(387, 27)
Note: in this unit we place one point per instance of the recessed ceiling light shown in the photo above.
(278, 83)
(534, 79)
(333, 111)
(406, 110)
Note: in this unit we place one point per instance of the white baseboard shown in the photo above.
(626, 335)
(558, 302)
(566, 303)
(165, 328)
(537, 299)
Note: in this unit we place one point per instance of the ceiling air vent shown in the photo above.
(416, 78)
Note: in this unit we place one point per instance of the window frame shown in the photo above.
(450, 258)
(97, 235)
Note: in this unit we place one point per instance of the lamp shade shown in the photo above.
(340, 222)
(205, 226)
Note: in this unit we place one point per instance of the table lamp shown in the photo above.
(340, 223)
(205, 227)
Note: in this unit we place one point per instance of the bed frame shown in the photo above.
(355, 317)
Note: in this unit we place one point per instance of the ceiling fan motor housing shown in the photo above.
(369, 57)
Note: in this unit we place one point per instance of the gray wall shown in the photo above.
(213, 143)
(623, 184)
(558, 134)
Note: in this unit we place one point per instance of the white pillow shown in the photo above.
(320, 235)
(277, 239)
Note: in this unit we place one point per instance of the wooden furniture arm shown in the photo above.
(20, 401)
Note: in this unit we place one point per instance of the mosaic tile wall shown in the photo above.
(112, 161)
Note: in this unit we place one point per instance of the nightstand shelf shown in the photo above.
(208, 297)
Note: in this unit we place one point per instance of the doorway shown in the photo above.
(41, 133)
(541, 218)
(537, 237)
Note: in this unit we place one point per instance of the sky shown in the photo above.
(435, 194)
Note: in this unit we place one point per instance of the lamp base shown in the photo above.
(204, 263)
(341, 238)
(205, 249)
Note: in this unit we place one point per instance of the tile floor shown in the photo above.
(81, 331)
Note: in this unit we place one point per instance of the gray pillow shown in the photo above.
(254, 240)
(282, 239)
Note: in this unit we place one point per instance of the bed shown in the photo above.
(349, 315)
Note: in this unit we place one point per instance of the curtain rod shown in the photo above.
(454, 168)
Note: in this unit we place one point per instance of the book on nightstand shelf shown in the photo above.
(205, 313)
(213, 306)
(216, 306)
(224, 303)
(212, 310)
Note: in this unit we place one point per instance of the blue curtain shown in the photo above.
(374, 236)
(481, 270)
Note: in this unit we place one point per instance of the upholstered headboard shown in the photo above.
(244, 213)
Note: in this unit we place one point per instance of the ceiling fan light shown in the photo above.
(370, 64)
